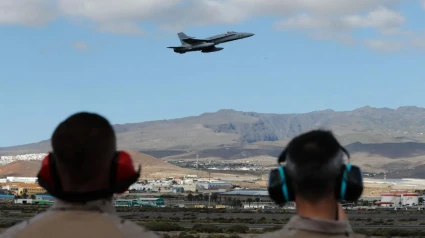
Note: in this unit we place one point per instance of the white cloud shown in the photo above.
(319, 19)
(383, 45)
(381, 18)
(27, 12)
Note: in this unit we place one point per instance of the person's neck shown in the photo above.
(323, 209)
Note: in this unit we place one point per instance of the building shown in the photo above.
(398, 199)
(245, 194)
(213, 185)
(22, 179)
(23, 201)
(24, 188)
(141, 187)
(31, 190)
(44, 197)
(189, 187)
(157, 202)
(190, 176)
(261, 205)
(178, 189)
(6, 196)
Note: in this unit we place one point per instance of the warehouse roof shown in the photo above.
(246, 192)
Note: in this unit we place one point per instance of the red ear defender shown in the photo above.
(44, 176)
(126, 174)
(123, 175)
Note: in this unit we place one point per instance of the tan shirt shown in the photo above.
(312, 227)
(63, 220)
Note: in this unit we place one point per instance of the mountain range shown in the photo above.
(228, 134)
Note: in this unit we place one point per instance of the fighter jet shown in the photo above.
(206, 45)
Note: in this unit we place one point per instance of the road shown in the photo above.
(212, 215)
(261, 226)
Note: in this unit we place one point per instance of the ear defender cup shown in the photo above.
(123, 173)
(350, 185)
(122, 176)
(280, 186)
(48, 176)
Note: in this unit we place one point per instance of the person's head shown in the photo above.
(314, 161)
(84, 145)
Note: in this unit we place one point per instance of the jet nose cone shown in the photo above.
(249, 34)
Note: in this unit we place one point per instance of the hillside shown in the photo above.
(20, 168)
(230, 128)
(151, 167)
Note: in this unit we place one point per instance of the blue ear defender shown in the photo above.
(349, 185)
(284, 184)
(344, 180)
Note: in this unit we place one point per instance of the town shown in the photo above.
(191, 191)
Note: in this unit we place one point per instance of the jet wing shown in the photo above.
(177, 47)
(193, 40)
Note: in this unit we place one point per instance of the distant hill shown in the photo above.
(151, 168)
(233, 134)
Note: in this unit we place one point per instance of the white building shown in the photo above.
(141, 187)
(21, 179)
(213, 185)
(398, 199)
(189, 187)
(191, 176)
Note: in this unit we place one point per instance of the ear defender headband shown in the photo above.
(349, 185)
(123, 175)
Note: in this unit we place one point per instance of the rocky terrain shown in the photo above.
(378, 138)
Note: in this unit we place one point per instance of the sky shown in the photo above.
(60, 57)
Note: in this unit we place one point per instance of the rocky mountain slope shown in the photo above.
(151, 167)
(250, 130)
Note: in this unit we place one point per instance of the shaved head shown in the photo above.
(84, 145)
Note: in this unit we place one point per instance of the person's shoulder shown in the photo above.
(15, 229)
(131, 229)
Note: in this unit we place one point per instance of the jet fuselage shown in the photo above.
(207, 45)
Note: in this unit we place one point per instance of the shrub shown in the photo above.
(271, 229)
(163, 226)
(207, 228)
(240, 229)
(186, 235)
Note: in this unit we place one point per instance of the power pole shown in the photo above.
(209, 199)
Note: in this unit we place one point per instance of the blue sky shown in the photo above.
(60, 57)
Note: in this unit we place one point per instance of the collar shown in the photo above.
(103, 205)
(319, 225)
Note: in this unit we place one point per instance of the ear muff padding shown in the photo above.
(123, 174)
(280, 186)
(45, 175)
(350, 185)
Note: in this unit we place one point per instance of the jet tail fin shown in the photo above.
(182, 36)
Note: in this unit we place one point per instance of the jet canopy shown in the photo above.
(231, 32)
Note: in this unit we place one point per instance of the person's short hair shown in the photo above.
(83, 144)
(314, 161)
